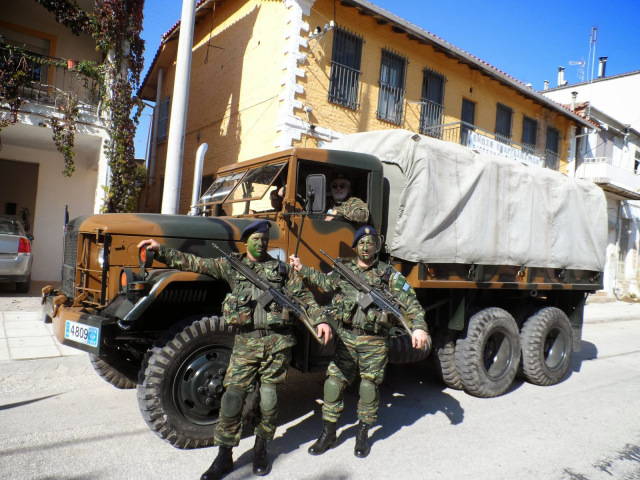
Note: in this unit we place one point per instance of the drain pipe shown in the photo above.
(197, 177)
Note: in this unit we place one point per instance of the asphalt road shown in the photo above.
(59, 420)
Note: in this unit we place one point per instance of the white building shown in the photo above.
(30, 164)
(609, 156)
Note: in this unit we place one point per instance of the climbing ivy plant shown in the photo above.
(115, 25)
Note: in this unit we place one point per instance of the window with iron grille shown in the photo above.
(346, 58)
(553, 143)
(529, 133)
(392, 82)
(504, 117)
(163, 118)
(432, 102)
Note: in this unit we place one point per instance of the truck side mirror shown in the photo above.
(316, 201)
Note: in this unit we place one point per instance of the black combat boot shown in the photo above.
(261, 465)
(326, 440)
(362, 441)
(221, 465)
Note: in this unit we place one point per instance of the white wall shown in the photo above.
(54, 192)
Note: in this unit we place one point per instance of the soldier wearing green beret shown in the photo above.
(264, 337)
(362, 342)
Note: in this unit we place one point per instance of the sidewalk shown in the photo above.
(23, 333)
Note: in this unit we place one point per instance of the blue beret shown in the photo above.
(260, 226)
(362, 231)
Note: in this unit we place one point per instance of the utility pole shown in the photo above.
(178, 120)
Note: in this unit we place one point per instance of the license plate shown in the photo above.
(78, 332)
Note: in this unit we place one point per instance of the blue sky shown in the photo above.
(526, 40)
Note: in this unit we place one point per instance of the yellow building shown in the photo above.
(267, 75)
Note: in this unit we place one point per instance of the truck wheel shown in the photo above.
(119, 370)
(487, 357)
(181, 386)
(547, 346)
(401, 350)
(445, 358)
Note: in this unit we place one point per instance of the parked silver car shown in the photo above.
(15, 254)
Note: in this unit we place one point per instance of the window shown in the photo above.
(468, 117)
(392, 82)
(504, 116)
(529, 133)
(163, 118)
(432, 103)
(553, 141)
(345, 68)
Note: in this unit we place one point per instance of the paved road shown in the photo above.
(61, 421)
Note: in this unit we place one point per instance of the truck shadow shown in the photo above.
(587, 352)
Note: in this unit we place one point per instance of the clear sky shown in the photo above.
(526, 40)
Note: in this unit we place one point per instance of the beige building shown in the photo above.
(31, 167)
(269, 75)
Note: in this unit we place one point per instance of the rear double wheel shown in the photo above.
(487, 356)
(547, 346)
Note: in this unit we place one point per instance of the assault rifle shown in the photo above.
(383, 300)
(272, 294)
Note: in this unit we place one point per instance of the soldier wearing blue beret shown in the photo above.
(264, 337)
(362, 343)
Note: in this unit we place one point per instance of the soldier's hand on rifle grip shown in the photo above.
(324, 332)
(419, 338)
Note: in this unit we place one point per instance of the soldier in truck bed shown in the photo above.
(262, 348)
(362, 342)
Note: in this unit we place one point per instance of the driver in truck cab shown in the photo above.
(349, 207)
(262, 348)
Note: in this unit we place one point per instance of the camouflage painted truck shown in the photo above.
(502, 257)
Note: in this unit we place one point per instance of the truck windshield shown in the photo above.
(220, 188)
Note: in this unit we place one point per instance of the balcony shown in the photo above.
(485, 141)
(50, 82)
(611, 178)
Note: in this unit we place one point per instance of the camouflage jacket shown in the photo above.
(240, 307)
(379, 275)
(353, 210)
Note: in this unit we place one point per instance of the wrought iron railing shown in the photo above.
(482, 140)
(430, 116)
(50, 82)
(343, 89)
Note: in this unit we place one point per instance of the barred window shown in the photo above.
(432, 102)
(163, 118)
(346, 58)
(504, 116)
(553, 144)
(529, 133)
(392, 84)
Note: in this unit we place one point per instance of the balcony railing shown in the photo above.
(485, 141)
(610, 177)
(49, 83)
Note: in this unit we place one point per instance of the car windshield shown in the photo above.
(9, 227)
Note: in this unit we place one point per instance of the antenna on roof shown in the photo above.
(581, 64)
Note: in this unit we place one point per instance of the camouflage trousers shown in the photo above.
(253, 359)
(367, 355)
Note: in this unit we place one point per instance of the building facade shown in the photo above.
(270, 75)
(610, 157)
(31, 181)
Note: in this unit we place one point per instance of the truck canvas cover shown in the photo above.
(450, 204)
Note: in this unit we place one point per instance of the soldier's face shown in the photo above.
(340, 189)
(257, 244)
(366, 248)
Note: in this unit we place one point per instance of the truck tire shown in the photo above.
(547, 346)
(180, 388)
(401, 350)
(444, 355)
(488, 356)
(121, 372)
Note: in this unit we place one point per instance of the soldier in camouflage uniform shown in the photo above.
(362, 342)
(262, 348)
(351, 209)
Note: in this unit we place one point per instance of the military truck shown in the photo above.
(502, 257)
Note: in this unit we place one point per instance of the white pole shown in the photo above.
(197, 177)
(178, 120)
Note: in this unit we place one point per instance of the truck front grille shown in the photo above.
(69, 264)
